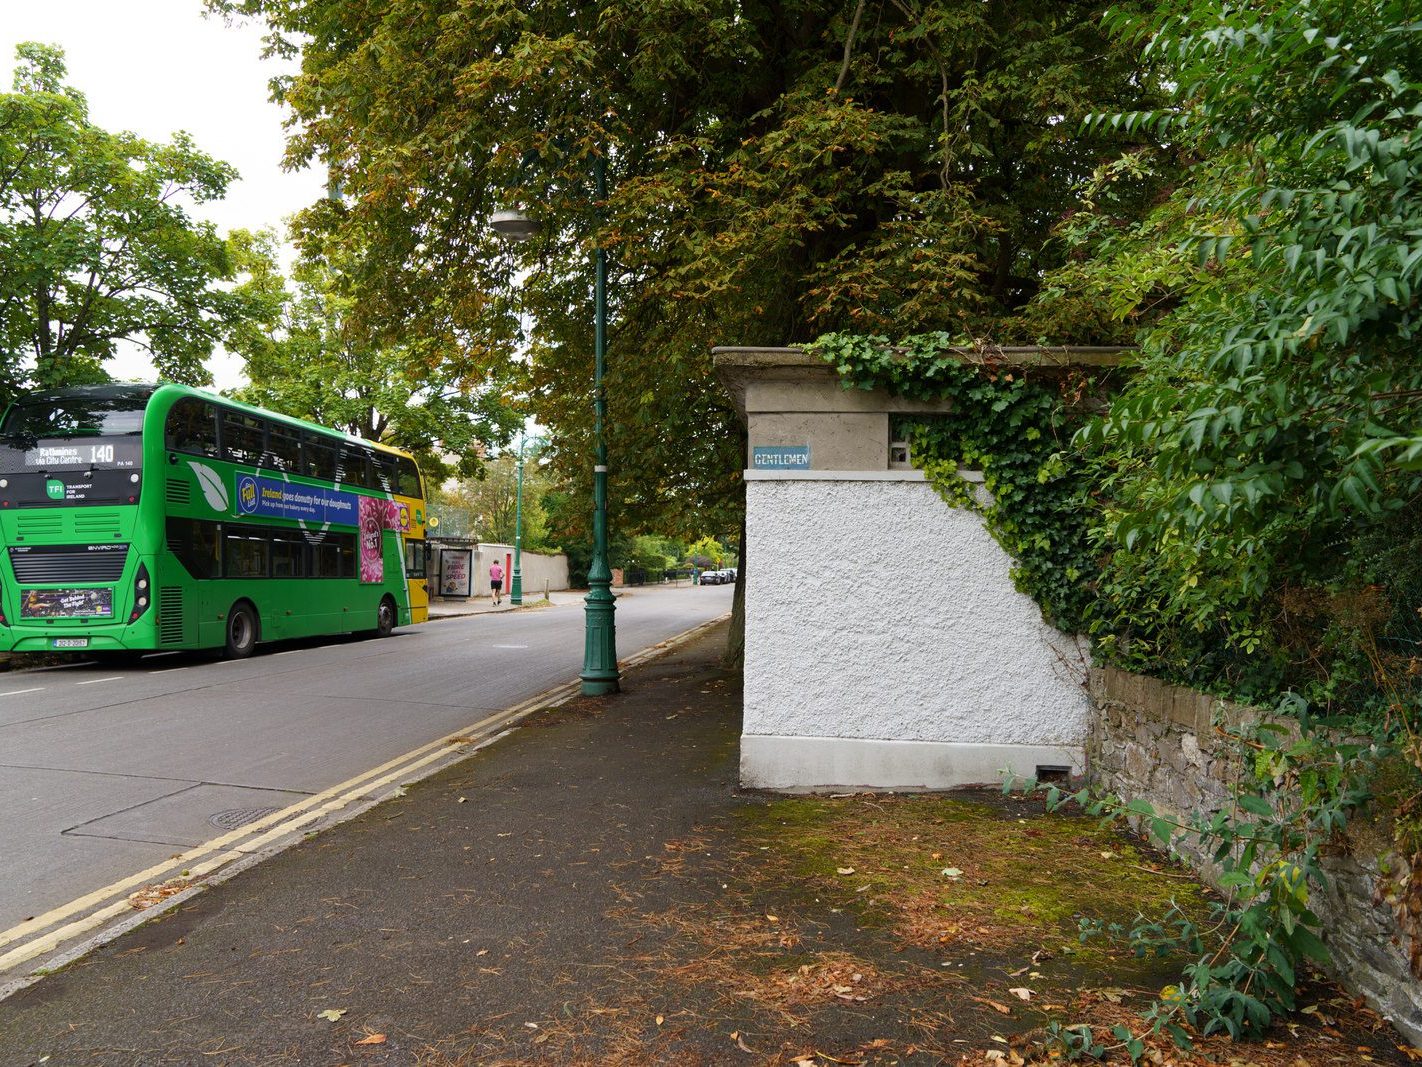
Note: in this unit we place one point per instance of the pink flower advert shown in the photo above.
(376, 516)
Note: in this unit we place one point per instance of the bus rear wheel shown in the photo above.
(241, 632)
(385, 618)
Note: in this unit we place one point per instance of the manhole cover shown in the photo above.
(235, 817)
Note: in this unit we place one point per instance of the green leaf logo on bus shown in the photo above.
(54, 488)
(213, 491)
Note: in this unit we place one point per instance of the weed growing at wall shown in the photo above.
(1296, 790)
(1012, 429)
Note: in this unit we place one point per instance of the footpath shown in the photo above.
(594, 888)
(483, 605)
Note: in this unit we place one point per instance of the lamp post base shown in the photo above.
(516, 588)
(600, 674)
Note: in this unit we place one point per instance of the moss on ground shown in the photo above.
(945, 869)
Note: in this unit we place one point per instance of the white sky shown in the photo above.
(158, 66)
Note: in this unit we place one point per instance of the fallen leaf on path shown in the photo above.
(844, 870)
(1021, 993)
(332, 1013)
(1002, 1009)
(373, 1039)
(952, 872)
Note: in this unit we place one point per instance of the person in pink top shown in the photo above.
(496, 581)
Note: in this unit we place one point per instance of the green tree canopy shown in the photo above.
(309, 354)
(776, 171)
(96, 244)
(486, 508)
(1259, 473)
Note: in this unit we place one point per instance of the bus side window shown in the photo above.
(320, 458)
(409, 475)
(325, 558)
(385, 479)
(288, 554)
(245, 553)
(284, 448)
(333, 556)
(192, 428)
(196, 544)
(243, 437)
(355, 467)
(345, 543)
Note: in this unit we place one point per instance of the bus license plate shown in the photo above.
(69, 642)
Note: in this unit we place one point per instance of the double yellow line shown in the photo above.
(45, 933)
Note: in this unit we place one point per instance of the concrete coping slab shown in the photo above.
(738, 366)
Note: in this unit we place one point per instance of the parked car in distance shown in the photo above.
(726, 576)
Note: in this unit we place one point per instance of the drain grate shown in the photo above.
(235, 817)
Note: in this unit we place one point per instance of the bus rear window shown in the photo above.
(51, 417)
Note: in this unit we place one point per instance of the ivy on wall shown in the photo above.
(1012, 429)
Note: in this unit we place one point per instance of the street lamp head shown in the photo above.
(512, 224)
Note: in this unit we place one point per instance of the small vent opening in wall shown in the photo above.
(1052, 775)
(899, 457)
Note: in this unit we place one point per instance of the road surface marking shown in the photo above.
(96, 681)
(17, 692)
(199, 860)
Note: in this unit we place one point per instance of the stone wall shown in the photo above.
(1166, 744)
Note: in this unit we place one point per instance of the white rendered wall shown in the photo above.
(535, 569)
(886, 646)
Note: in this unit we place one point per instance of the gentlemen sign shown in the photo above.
(780, 457)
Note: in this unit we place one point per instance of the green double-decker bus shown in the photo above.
(157, 517)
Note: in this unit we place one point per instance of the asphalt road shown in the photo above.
(105, 771)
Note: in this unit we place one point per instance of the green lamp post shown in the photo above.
(599, 675)
(516, 579)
